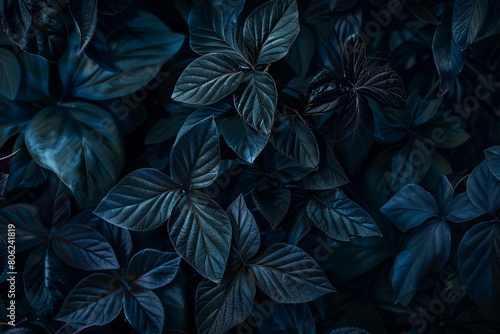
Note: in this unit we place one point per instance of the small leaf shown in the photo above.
(143, 200)
(223, 306)
(339, 217)
(354, 58)
(96, 300)
(329, 174)
(10, 74)
(243, 139)
(270, 30)
(410, 207)
(208, 79)
(84, 13)
(195, 157)
(256, 99)
(468, 19)
(201, 233)
(273, 204)
(80, 143)
(426, 250)
(144, 311)
(246, 234)
(287, 274)
(292, 137)
(82, 247)
(385, 85)
(152, 269)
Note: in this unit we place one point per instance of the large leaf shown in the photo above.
(37, 26)
(292, 137)
(14, 118)
(144, 311)
(483, 189)
(152, 269)
(82, 247)
(385, 85)
(410, 207)
(46, 280)
(468, 19)
(195, 158)
(273, 204)
(256, 100)
(85, 151)
(96, 300)
(214, 29)
(143, 200)
(29, 229)
(479, 254)
(296, 318)
(84, 13)
(461, 209)
(425, 251)
(339, 217)
(10, 74)
(138, 35)
(270, 30)
(246, 234)
(448, 56)
(201, 233)
(208, 79)
(287, 274)
(219, 307)
(243, 139)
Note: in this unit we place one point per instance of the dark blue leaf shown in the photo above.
(299, 226)
(410, 207)
(173, 299)
(385, 85)
(144, 311)
(46, 280)
(287, 274)
(354, 58)
(96, 300)
(138, 34)
(214, 29)
(256, 99)
(99, 51)
(113, 7)
(82, 247)
(443, 193)
(426, 250)
(484, 189)
(208, 79)
(270, 30)
(29, 228)
(339, 217)
(10, 74)
(301, 52)
(329, 174)
(288, 318)
(479, 254)
(246, 234)
(344, 25)
(220, 307)
(293, 138)
(461, 209)
(14, 118)
(84, 13)
(243, 139)
(273, 204)
(201, 233)
(468, 19)
(152, 269)
(86, 152)
(493, 160)
(329, 92)
(195, 158)
(143, 200)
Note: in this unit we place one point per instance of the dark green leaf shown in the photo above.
(339, 217)
(246, 234)
(84, 13)
(344, 25)
(144, 311)
(468, 19)
(329, 174)
(287, 274)
(143, 200)
(201, 233)
(10, 74)
(86, 150)
(301, 52)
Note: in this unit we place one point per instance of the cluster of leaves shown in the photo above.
(219, 166)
